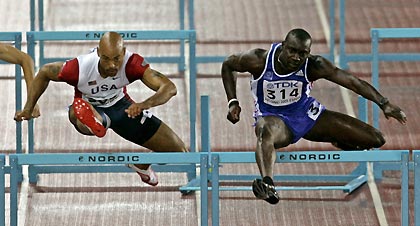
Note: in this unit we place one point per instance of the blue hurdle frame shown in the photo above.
(377, 34)
(345, 58)
(191, 23)
(2, 190)
(182, 36)
(401, 156)
(43, 160)
(416, 159)
(181, 63)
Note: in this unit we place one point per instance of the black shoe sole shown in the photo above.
(262, 191)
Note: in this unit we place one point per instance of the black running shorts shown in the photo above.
(137, 130)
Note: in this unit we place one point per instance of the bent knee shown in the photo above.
(378, 139)
(273, 136)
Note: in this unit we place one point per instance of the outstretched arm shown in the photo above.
(15, 56)
(251, 61)
(322, 68)
(40, 83)
(164, 89)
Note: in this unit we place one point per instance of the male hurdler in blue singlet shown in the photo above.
(284, 112)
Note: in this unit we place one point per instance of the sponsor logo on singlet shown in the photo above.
(282, 93)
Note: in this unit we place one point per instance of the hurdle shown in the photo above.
(182, 36)
(191, 26)
(378, 34)
(40, 9)
(346, 58)
(17, 160)
(401, 156)
(416, 159)
(2, 190)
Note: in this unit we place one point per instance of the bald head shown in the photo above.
(111, 53)
(300, 35)
(111, 40)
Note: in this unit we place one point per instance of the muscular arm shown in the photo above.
(319, 67)
(252, 61)
(15, 56)
(164, 89)
(40, 83)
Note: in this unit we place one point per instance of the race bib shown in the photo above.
(314, 110)
(282, 93)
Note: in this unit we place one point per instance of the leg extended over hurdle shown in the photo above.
(352, 180)
(185, 37)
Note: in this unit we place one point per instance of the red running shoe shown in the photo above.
(84, 113)
(147, 176)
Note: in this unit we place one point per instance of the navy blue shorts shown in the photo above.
(137, 130)
(300, 122)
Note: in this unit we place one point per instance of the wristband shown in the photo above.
(233, 100)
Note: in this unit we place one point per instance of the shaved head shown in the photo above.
(111, 53)
(111, 40)
(298, 34)
(296, 48)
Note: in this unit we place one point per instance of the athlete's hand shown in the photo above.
(394, 111)
(135, 110)
(23, 115)
(234, 112)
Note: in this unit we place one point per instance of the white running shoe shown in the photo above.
(147, 176)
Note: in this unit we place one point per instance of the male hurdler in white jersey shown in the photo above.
(101, 101)
(284, 112)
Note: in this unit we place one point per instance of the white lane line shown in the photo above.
(380, 213)
(23, 199)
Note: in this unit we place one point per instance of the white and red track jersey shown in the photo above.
(83, 73)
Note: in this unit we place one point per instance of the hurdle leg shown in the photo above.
(405, 221)
(215, 190)
(204, 189)
(14, 174)
(2, 191)
(416, 159)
